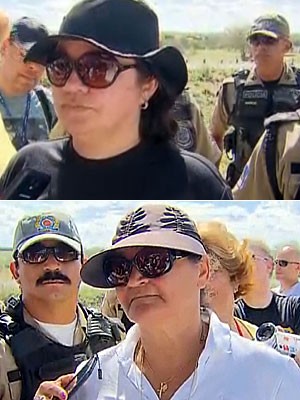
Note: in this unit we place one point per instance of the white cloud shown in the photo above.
(274, 222)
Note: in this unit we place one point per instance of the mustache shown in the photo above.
(52, 276)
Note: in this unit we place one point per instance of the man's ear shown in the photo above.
(203, 272)
(13, 266)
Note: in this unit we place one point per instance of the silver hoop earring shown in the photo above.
(145, 105)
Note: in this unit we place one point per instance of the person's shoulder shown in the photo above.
(287, 301)
(201, 169)
(36, 149)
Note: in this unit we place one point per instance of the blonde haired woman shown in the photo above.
(230, 274)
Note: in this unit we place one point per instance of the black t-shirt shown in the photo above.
(282, 310)
(147, 171)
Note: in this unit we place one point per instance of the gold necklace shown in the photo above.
(163, 387)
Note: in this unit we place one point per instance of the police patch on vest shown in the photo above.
(185, 135)
(46, 223)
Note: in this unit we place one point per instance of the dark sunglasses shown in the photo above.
(94, 69)
(263, 40)
(151, 262)
(285, 263)
(38, 253)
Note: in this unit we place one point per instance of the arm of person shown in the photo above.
(254, 182)
(206, 144)
(219, 121)
(8, 391)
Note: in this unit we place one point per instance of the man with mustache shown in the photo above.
(46, 331)
(247, 98)
(25, 106)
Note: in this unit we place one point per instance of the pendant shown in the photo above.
(163, 388)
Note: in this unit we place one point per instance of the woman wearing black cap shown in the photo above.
(158, 264)
(113, 88)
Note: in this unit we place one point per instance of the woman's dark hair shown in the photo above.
(157, 122)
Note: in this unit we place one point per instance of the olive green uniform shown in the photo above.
(258, 102)
(254, 183)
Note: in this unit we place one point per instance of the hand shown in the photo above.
(52, 390)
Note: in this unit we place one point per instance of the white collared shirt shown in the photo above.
(230, 368)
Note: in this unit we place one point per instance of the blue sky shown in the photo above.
(183, 15)
(272, 221)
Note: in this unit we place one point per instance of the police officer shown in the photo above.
(25, 105)
(273, 170)
(47, 332)
(191, 135)
(247, 98)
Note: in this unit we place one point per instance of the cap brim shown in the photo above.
(92, 271)
(167, 63)
(50, 236)
(264, 33)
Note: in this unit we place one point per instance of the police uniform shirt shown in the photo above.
(13, 117)
(226, 370)
(254, 182)
(220, 116)
(283, 311)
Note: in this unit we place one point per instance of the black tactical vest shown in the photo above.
(40, 358)
(253, 104)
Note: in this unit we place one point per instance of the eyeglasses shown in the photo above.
(285, 263)
(151, 262)
(20, 54)
(255, 257)
(94, 69)
(38, 253)
(263, 40)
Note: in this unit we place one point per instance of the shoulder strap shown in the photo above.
(50, 118)
(269, 143)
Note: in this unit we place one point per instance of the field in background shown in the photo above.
(89, 296)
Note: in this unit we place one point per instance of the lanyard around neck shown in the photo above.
(19, 134)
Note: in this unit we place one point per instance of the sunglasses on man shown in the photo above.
(257, 40)
(285, 263)
(38, 253)
(94, 69)
(151, 262)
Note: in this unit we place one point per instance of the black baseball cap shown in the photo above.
(27, 31)
(154, 225)
(125, 28)
(46, 226)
